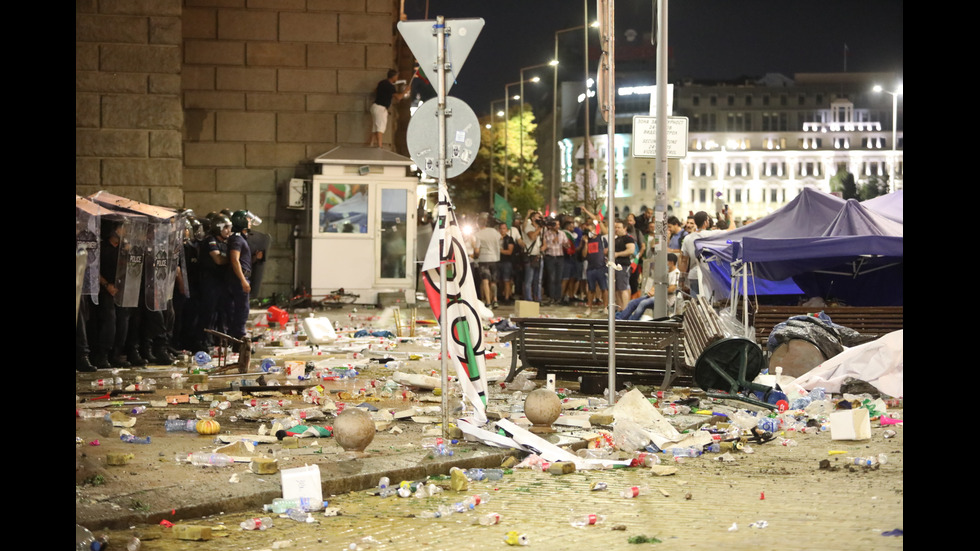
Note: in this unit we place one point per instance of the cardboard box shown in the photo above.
(526, 309)
(850, 424)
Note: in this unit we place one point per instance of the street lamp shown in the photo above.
(492, 144)
(532, 79)
(554, 106)
(891, 166)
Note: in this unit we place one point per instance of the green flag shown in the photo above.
(502, 209)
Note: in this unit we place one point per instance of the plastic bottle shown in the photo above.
(300, 515)
(494, 474)
(644, 459)
(138, 410)
(177, 425)
(282, 505)
(479, 499)
(256, 523)
(586, 520)
(131, 439)
(632, 491)
(209, 459)
(83, 538)
(768, 424)
(490, 519)
(685, 452)
(91, 413)
(111, 381)
(475, 474)
(134, 544)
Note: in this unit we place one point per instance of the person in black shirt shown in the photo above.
(383, 96)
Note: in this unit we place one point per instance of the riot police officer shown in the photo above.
(240, 259)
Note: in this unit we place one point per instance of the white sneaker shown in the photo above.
(588, 312)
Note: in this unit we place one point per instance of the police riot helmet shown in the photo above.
(243, 219)
(219, 223)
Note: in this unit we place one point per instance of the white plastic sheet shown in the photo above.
(879, 363)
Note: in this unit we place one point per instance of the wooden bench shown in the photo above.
(871, 321)
(649, 352)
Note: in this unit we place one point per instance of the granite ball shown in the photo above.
(542, 407)
(354, 429)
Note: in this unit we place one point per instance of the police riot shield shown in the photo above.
(87, 219)
(161, 264)
(81, 256)
(132, 255)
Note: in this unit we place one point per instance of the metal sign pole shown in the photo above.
(610, 190)
(660, 211)
(440, 31)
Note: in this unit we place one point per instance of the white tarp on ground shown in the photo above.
(879, 363)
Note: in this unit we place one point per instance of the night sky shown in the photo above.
(707, 39)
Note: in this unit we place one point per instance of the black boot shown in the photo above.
(118, 360)
(82, 364)
(133, 355)
(163, 356)
(100, 361)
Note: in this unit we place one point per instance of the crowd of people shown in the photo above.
(212, 284)
(563, 259)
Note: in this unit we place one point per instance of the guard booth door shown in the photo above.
(395, 238)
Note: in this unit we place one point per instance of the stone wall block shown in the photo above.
(213, 154)
(166, 144)
(199, 125)
(337, 102)
(258, 101)
(214, 100)
(307, 27)
(199, 23)
(214, 52)
(197, 78)
(87, 110)
(140, 59)
(245, 180)
(366, 29)
(110, 143)
(103, 28)
(247, 25)
(141, 7)
(336, 5)
(248, 79)
(164, 84)
(246, 127)
(198, 179)
(88, 172)
(95, 81)
(351, 81)
(165, 30)
(274, 155)
(354, 128)
(306, 127)
(142, 112)
(381, 56)
(275, 54)
(307, 80)
(336, 55)
(141, 172)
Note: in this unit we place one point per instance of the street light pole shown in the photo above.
(891, 165)
(552, 199)
(532, 79)
(493, 143)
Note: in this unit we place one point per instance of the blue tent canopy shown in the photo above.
(852, 253)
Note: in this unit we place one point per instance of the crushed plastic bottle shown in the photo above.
(282, 505)
(490, 519)
(256, 523)
(586, 520)
(131, 439)
(181, 425)
(513, 538)
(300, 515)
(209, 459)
(632, 491)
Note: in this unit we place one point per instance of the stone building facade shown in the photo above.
(212, 104)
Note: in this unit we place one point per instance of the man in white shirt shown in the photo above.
(486, 245)
(690, 265)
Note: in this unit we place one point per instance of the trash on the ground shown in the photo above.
(759, 524)
(118, 459)
(257, 523)
(581, 521)
(895, 532)
(733, 527)
(513, 538)
(300, 482)
(852, 424)
(562, 467)
(663, 470)
(192, 532)
(263, 465)
(643, 539)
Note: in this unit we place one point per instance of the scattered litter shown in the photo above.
(643, 539)
(895, 532)
(759, 524)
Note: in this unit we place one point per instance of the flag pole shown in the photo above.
(445, 247)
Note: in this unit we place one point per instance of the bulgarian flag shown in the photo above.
(465, 339)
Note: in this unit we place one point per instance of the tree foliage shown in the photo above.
(471, 190)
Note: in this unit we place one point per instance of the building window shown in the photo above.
(643, 181)
(731, 100)
(765, 99)
(775, 169)
(748, 100)
(703, 195)
(801, 99)
(809, 169)
(626, 181)
(738, 168)
(819, 99)
(738, 195)
(783, 100)
(714, 100)
(695, 100)
(739, 122)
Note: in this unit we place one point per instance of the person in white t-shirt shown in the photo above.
(690, 265)
(486, 249)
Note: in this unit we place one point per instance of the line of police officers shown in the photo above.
(211, 291)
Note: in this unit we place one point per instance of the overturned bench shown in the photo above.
(647, 352)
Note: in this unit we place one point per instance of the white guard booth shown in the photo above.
(363, 225)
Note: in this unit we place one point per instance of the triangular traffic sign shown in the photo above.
(421, 39)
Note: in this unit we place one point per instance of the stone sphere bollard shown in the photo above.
(354, 429)
(542, 408)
